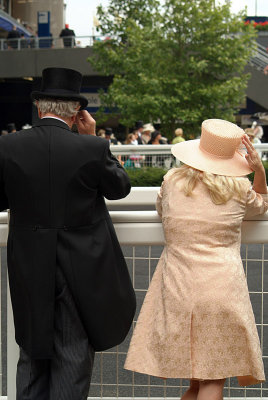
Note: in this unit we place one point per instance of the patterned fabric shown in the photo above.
(197, 320)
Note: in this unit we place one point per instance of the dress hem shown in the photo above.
(251, 379)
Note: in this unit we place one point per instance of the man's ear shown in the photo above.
(73, 118)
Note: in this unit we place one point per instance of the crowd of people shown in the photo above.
(148, 134)
(141, 134)
(11, 128)
(16, 39)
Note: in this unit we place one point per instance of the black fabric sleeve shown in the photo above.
(3, 197)
(114, 182)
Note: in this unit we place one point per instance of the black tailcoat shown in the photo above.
(54, 182)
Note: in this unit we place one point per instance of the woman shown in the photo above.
(253, 139)
(157, 161)
(131, 139)
(178, 136)
(197, 321)
(155, 138)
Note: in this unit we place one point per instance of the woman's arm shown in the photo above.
(254, 162)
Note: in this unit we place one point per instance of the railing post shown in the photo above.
(12, 352)
(12, 347)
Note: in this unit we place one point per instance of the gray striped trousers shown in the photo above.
(67, 375)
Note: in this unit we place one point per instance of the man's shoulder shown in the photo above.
(92, 140)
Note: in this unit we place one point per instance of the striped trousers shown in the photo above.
(67, 375)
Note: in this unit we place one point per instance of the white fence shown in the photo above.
(145, 155)
(140, 233)
(139, 156)
(149, 149)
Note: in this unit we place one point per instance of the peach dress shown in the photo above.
(196, 321)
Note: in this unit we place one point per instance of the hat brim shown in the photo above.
(36, 95)
(190, 153)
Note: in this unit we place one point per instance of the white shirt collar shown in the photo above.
(57, 119)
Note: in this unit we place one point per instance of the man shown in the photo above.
(110, 136)
(11, 127)
(138, 129)
(146, 133)
(68, 36)
(70, 289)
(13, 38)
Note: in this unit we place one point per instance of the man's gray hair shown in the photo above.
(62, 108)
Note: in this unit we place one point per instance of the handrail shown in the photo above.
(260, 58)
(120, 217)
(40, 42)
(152, 149)
(145, 228)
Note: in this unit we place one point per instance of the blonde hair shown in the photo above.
(62, 108)
(129, 138)
(221, 188)
(178, 132)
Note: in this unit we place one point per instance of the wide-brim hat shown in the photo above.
(148, 128)
(61, 83)
(218, 150)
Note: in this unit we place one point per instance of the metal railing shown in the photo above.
(141, 236)
(260, 58)
(138, 156)
(47, 42)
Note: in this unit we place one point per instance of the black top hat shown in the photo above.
(138, 125)
(61, 83)
(108, 131)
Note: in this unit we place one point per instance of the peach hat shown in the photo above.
(217, 151)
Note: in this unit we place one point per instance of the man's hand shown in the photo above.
(86, 125)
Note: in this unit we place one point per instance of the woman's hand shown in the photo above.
(252, 156)
(86, 125)
(254, 162)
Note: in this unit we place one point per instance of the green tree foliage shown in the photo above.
(180, 62)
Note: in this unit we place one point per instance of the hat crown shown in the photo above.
(148, 127)
(220, 138)
(63, 79)
(108, 131)
(61, 83)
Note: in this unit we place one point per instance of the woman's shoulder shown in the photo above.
(170, 174)
(244, 182)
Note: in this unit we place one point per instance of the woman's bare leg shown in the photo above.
(211, 390)
(192, 392)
